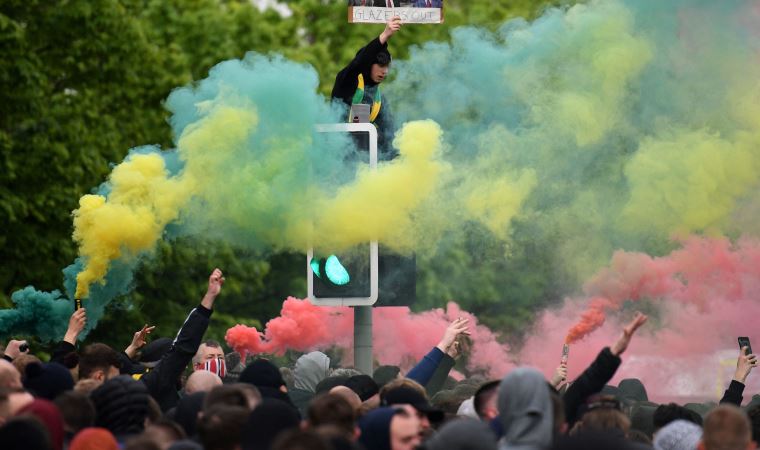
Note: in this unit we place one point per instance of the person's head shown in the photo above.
(385, 374)
(77, 410)
(24, 433)
(266, 422)
(525, 408)
(381, 66)
(602, 413)
(387, 428)
(164, 432)
(401, 392)
(632, 389)
(350, 396)
(678, 435)
(47, 380)
(754, 418)
(263, 374)
(121, 405)
(301, 440)
(99, 362)
(664, 414)
(332, 409)
(49, 416)
(236, 394)
(310, 369)
(485, 400)
(364, 386)
(726, 428)
(220, 427)
(94, 439)
(202, 381)
(330, 382)
(21, 361)
(9, 376)
(210, 357)
(463, 434)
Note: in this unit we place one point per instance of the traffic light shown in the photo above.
(363, 275)
(348, 275)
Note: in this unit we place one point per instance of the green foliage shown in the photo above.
(82, 81)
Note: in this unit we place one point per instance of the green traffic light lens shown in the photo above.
(336, 273)
(314, 263)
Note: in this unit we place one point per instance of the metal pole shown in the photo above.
(363, 339)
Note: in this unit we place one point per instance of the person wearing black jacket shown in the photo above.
(744, 365)
(161, 379)
(359, 83)
(601, 371)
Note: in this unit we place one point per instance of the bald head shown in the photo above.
(351, 397)
(726, 428)
(202, 381)
(9, 376)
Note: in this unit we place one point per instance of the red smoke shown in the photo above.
(700, 297)
(591, 319)
(400, 337)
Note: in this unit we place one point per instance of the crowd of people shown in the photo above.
(92, 396)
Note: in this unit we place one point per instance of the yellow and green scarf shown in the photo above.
(359, 96)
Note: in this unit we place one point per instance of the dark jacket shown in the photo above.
(162, 379)
(733, 394)
(425, 369)
(345, 86)
(591, 381)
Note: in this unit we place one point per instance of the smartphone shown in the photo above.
(744, 342)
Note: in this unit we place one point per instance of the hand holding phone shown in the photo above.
(746, 361)
(744, 342)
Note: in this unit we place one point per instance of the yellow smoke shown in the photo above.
(381, 204)
(142, 201)
(144, 198)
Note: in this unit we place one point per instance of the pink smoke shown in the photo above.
(705, 296)
(400, 337)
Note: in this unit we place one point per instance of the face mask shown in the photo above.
(216, 365)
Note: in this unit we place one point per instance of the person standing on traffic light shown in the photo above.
(359, 83)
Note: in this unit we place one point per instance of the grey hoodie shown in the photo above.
(463, 434)
(525, 409)
(310, 370)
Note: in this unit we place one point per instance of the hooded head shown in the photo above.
(310, 370)
(633, 389)
(376, 428)
(525, 408)
(463, 434)
(376, 72)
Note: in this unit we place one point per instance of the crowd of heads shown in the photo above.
(96, 397)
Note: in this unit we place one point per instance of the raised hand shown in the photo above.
(456, 328)
(138, 340)
(744, 365)
(622, 343)
(215, 282)
(77, 322)
(391, 27)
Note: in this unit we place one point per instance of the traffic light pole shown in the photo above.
(363, 339)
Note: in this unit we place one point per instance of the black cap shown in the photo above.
(262, 373)
(404, 395)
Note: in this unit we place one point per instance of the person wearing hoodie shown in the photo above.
(359, 83)
(309, 371)
(525, 410)
(462, 434)
(390, 428)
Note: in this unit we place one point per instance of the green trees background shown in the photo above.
(82, 81)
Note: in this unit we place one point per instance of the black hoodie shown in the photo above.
(347, 81)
